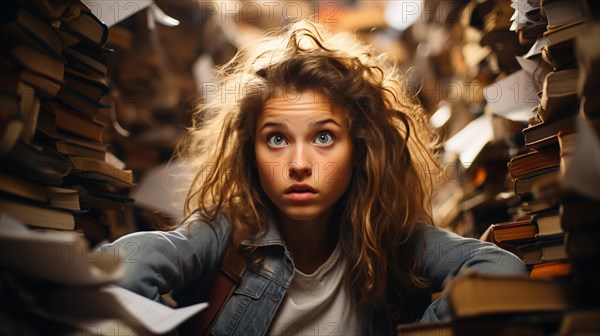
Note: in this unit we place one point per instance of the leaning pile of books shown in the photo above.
(536, 232)
(56, 171)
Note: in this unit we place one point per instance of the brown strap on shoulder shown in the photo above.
(230, 274)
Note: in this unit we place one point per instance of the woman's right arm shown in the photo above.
(157, 262)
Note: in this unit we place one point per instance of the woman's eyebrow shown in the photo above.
(323, 122)
(276, 124)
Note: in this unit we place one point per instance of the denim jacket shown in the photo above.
(183, 260)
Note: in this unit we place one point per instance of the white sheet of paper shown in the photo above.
(112, 12)
(536, 48)
(85, 306)
(469, 141)
(513, 97)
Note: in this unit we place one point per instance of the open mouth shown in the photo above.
(300, 192)
(300, 189)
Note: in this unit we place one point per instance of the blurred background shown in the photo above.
(95, 96)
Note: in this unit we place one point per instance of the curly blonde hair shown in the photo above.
(390, 191)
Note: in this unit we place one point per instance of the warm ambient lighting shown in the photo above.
(441, 116)
(401, 14)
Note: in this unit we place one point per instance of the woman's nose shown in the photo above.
(300, 166)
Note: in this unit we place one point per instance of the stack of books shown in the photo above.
(57, 172)
(553, 175)
(535, 172)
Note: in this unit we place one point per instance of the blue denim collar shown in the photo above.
(271, 237)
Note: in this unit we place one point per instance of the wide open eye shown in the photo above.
(277, 141)
(324, 139)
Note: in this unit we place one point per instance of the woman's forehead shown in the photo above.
(304, 105)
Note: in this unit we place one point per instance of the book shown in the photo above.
(551, 269)
(564, 33)
(14, 185)
(560, 55)
(525, 184)
(543, 251)
(37, 62)
(548, 224)
(19, 24)
(84, 62)
(98, 199)
(47, 133)
(100, 170)
(14, 75)
(559, 94)
(534, 206)
(78, 102)
(544, 143)
(44, 87)
(70, 121)
(63, 198)
(534, 160)
(512, 231)
(88, 27)
(36, 162)
(476, 294)
(90, 87)
(547, 129)
(39, 216)
(560, 13)
(72, 149)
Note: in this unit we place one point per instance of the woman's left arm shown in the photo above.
(446, 255)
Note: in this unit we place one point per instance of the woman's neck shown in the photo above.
(311, 242)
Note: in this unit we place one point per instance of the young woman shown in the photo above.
(314, 163)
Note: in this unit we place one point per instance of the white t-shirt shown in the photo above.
(318, 303)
